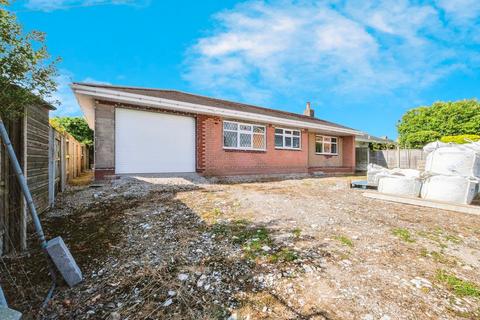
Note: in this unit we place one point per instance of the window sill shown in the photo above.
(244, 150)
(326, 154)
(288, 149)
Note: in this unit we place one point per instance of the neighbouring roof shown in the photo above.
(213, 102)
(369, 138)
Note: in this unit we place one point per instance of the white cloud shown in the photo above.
(67, 105)
(460, 11)
(264, 50)
(51, 5)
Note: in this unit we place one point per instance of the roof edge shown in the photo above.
(121, 96)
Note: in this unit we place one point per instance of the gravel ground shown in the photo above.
(302, 248)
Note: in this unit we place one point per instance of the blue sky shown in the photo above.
(360, 63)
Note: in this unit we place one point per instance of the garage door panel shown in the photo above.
(149, 142)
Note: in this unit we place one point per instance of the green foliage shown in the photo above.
(26, 69)
(460, 287)
(382, 146)
(438, 120)
(345, 241)
(460, 139)
(403, 234)
(76, 126)
(420, 138)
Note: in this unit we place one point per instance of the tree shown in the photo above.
(27, 71)
(425, 124)
(76, 126)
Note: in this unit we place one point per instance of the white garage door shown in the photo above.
(150, 142)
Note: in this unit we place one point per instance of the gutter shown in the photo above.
(187, 107)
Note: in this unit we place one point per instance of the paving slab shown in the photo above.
(470, 209)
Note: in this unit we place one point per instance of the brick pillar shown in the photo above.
(349, 152)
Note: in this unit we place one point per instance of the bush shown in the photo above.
(460, 139)
(420, 138)
(446, 118)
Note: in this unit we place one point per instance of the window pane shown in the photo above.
(279, 131)
(327, 139)
(245, 140)
(319, 139)
(334, 148)
(319, 147)
(288, 132)
(258, 141)
(334, 139)
(296, 142)
(288, 142)
(230, 139)
(327, 148)
(230, 126)
(296, 133)
(278, 141)
(245, 127)
(257, 129)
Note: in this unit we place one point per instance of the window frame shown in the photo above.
(326, 142)
(251, 132)
(291, 135)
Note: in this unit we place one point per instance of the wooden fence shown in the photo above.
(399, 158)
(68, 159)
(50, 160)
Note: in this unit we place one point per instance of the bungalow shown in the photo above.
(139, 130)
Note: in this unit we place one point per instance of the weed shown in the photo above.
(255, 242)
(461, 288)
(345, 240)
(403, 234)
(284, 255)
(297, 232)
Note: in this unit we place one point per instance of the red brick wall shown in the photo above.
(349, 152)
(212, 159)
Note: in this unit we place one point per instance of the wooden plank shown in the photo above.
(475, 210)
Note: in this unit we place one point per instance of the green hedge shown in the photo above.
(464, 138)
(417, 140)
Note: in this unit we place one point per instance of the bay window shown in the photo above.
(243, 136)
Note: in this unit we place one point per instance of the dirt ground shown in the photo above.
(306, 248)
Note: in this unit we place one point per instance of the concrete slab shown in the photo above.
(64, 261)
(9, 314)
(424, 203)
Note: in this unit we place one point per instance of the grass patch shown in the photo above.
(461, 288)
(345, 241)
(255, 242)
(438, 257)
(439, 236)
(297, 232)
(284, 255)
(403, 234)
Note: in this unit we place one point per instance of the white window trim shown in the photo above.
(238, 131)
(291, 136)
(323, 143)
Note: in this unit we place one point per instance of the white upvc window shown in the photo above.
(287, 139)
(243, 136)
(326, 145)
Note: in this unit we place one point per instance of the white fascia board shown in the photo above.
(138, 99)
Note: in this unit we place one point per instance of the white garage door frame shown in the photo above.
(149, 142)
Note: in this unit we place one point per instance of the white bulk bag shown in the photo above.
(400, 185)
(454, 189)
(373, 173)
(432, 146)
(454, 160)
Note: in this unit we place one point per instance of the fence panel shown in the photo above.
(399, 158)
